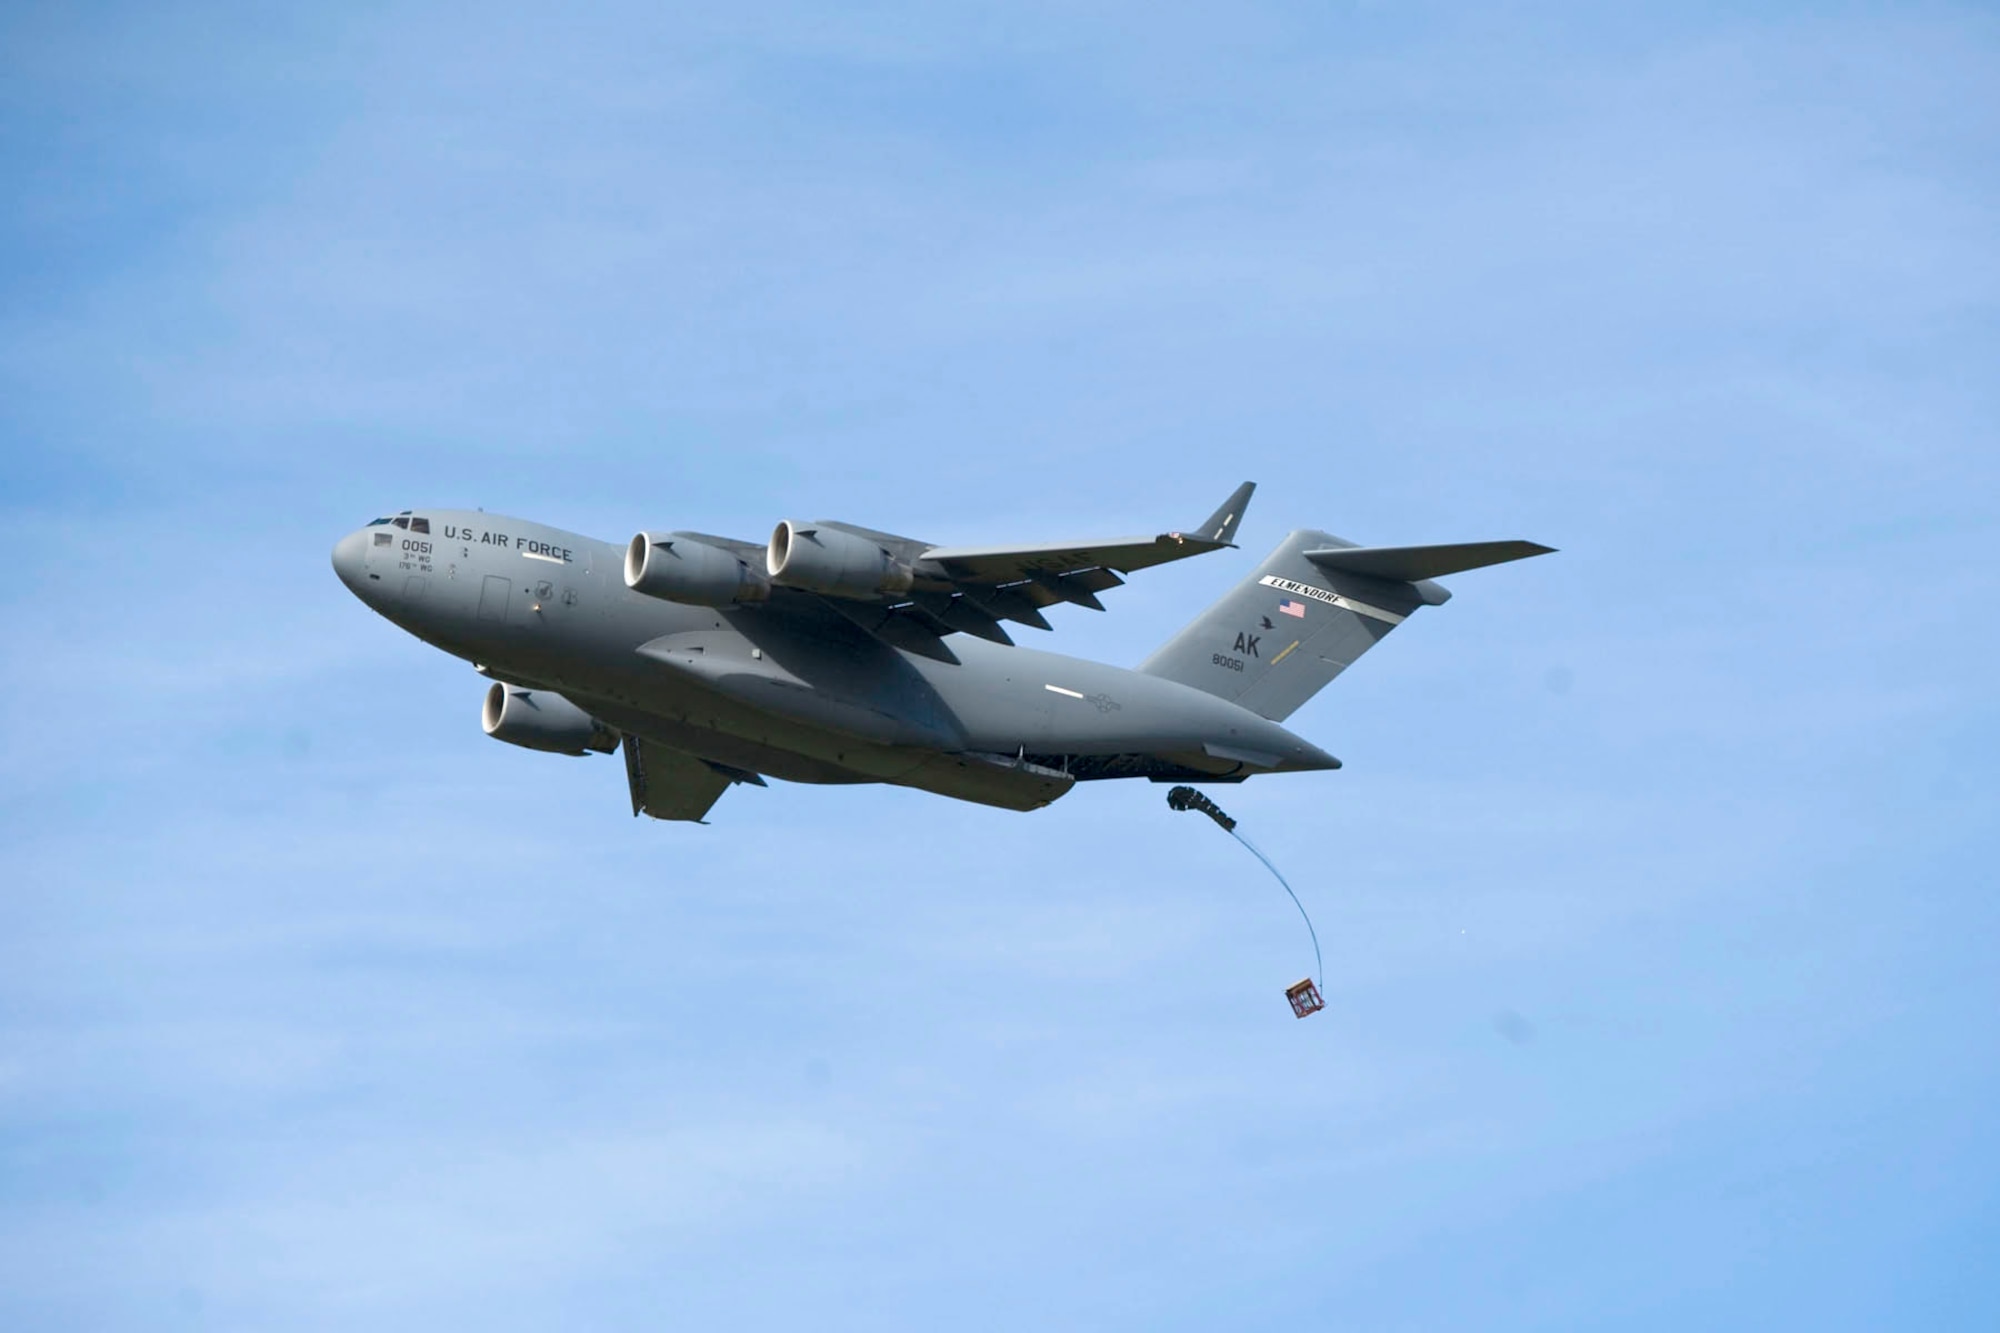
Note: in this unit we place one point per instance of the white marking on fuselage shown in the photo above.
(537, 555)
(1057, 689)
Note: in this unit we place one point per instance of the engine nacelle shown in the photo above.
(839, 564)
(541, 720)
(680, 569)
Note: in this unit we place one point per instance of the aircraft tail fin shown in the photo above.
(1315, 605)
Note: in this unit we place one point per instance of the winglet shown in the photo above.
(1221, 525)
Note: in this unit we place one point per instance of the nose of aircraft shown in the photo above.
(350, 555)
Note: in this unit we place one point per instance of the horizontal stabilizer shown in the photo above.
(1412, 564)
(1314, 606)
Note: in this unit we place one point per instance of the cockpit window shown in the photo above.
(422, 525)
(402, 522)
(377, 522)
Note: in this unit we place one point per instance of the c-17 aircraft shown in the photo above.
(838, 654)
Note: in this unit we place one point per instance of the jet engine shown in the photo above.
(680, 569)
(839, 564)
(541, 720)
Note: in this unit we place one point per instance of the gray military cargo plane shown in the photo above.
(834, 653)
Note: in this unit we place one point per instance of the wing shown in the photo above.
(668, 784)
(971, 589)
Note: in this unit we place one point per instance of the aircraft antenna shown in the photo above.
(1303, 995)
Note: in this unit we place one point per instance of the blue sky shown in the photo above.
(1657, 890)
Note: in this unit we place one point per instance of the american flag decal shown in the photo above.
(1288, 607)
(1318, 594)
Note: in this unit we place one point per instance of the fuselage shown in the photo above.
(792, 688)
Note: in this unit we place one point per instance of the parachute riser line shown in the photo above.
(1319, 964)
(1187, 798)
